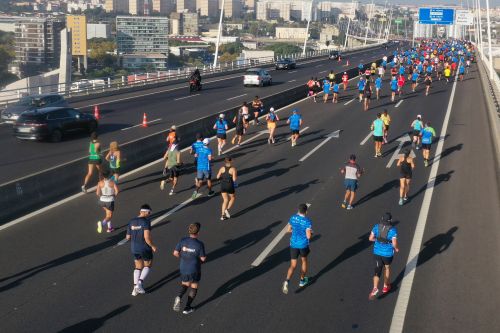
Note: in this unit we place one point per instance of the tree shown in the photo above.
(283, 48)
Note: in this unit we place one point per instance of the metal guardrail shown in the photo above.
(135, 80)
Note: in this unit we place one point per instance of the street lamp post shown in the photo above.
(348, 25)
(488, 22)
(219, 34)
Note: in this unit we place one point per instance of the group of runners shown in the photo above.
(430, 59)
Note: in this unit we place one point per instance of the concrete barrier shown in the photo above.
(36, 191)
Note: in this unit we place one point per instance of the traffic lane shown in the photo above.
(121, 115)
(147, 190)
(461, 244)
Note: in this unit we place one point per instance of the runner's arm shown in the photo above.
(234, 175)
(395, 244)
(372, 237)
(148, 240)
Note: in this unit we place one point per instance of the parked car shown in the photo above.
(334, 55)
(257, 77)
(53, 123)
(28, 103)
(285, 63)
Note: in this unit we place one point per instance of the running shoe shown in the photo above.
(162, 185)
(187, 310)
(226, 212)
(84, 189)
(140, 289)
(211, 193)
(177, 304)
(110, 230)
(195, 195)
(222, 218)
(349, 207)
(284, 288)
(99, 226)
(304, 282)
(373, 294)
(135, 292)
(386, 289)
(405, 199)
(171, 192)
(344, 204)
(401, 202)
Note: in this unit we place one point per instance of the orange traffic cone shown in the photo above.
(144, 120)
(347, 63)
(97, 115)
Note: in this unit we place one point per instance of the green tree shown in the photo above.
(283, 48)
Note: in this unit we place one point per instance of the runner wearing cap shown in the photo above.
(172, 135)
(295, 121)
(272, 119)
(352, 172)
(221, 127)
(203, 169)
(171, 170)
(335, 89)
(417, 125)
(345, 80)
(385, 237)
(257, 107)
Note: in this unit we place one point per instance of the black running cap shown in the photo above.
(352, 157)
(387, 217)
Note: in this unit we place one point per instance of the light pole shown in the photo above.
(219, 34)
(368, 23)
(490, 58)
(480, 28)
(307, 30)
(348, 24)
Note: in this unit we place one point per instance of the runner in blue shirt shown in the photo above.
(295, 121)
(196, 145)
(417, 126)
(203, 169)
(428, 135)
(301, 228)
(378, 128)
(394, 88)
(378, 86)
(326, 89)
(401, 70)
(414, 80)
(335, 89)
(461, 71)
(142, 247)
(191, 253)
(221, 127)
(360, 69)
(385, 236)
(361, 88)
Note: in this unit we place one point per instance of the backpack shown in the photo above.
(383, 231)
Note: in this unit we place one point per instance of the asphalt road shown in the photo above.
(165, 106)
(59, 275)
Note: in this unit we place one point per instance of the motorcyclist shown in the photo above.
(196, 77)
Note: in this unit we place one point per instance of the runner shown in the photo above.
(345, 80)
(227, 176)
(461, 71)
(203, 169)
(221, 127)
(295, 121)
(335, 89)
(417, 126)
(428, 83)
(401, 83)
(142, 247)
(428, 133)
(106, 192)
(317, 88)
(114, 159)
(246, 116)
(387, 121)
(352, 172)
(378, 86)
(171, 170)
(361, 88)
(94, 159)
(239, 121)
(172, 135)
(191, 253)
(361, 69)
(385, 237)
(326, 89)
(367, 95)
(381, 71)
(272, 119)
(394, 88)
(301, 228)
(310, 87)
(406, 166)
(257, 107)
(331, 78)
(447, 74)
(378, 134)
(414, 80)
(195, 146)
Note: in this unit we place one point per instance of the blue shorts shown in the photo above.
(204, 175)
(351, 184)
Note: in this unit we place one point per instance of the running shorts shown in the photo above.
(146, 255)
(109, 205)
(221, 136)
(173, 172)
(416, 133)
(203, 175)
(294, 253)
(240, 130)
(380, 260)
(351, 184)
(426, 146)
(295, 131)
(98, 161)
(191, 277)
(378, 138)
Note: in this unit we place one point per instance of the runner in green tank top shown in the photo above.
(172, 159)
(114, 158)
(94, 159)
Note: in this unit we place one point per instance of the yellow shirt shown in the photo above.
(386, 119)
(447, 72)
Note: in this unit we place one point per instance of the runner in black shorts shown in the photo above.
(406, 165)
(227, 176)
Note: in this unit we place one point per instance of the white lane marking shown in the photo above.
(395, 155)
(316, 148)
(271, 245)
(228, 99)
(399, 103)
(398, 318)
(178, 99)
(318, 65)
(366, 139)
(246, 141)
(292, 72)
(300, 132)
(292, 80)
(322, 72)
(148, 122)
(349, 102)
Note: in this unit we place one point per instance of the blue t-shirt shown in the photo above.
(384, 249)
(378, 127)
(360, 66)
(196, 145)
(384, 63)
(461, 69)
(295, 121)
(401, 70)
(336, 88)
(378, 83)
(221, 126)
(299, 224)
(326, 86)
(190, 250)
(429, 69)
(135, 229)
(361, 84)
(414, 76)
(394, 84)
(427, 134)
(203, 158)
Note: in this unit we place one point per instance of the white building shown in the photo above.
(422, 30)
(290, 33)
(292, 10)
(98, 30)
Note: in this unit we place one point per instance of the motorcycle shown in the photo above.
(194, 85)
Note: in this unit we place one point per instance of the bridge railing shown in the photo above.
(137, 80)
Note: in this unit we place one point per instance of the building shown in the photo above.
(164, 7)
(208, 8)
(232, 8)
(328, 32)
(186, 5)
(290, 33)
(249, 4)
(175, 24)
(145, 61)
(77, 25)
(136, 7)
(142, 34)
(8, 23)
(190, 25)
(37, 44)
(422, 30)
(292, 10)
(116, 6)
(98, 30)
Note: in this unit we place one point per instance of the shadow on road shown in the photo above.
(93, 324)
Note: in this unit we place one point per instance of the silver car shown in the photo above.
(29, 103)
(257, 77)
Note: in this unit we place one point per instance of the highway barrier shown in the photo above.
(36, 191)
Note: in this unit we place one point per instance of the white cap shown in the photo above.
(173, 127)
(419, 116)
(221, 116)
(206, 141)
(271, 109)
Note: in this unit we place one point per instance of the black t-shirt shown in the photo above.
(135, 229)
(191, 250)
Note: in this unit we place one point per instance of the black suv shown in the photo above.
(52, 123)
(285, 63)
(335, 55)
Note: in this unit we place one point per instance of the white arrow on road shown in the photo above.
(330, 136)
(395, 156)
